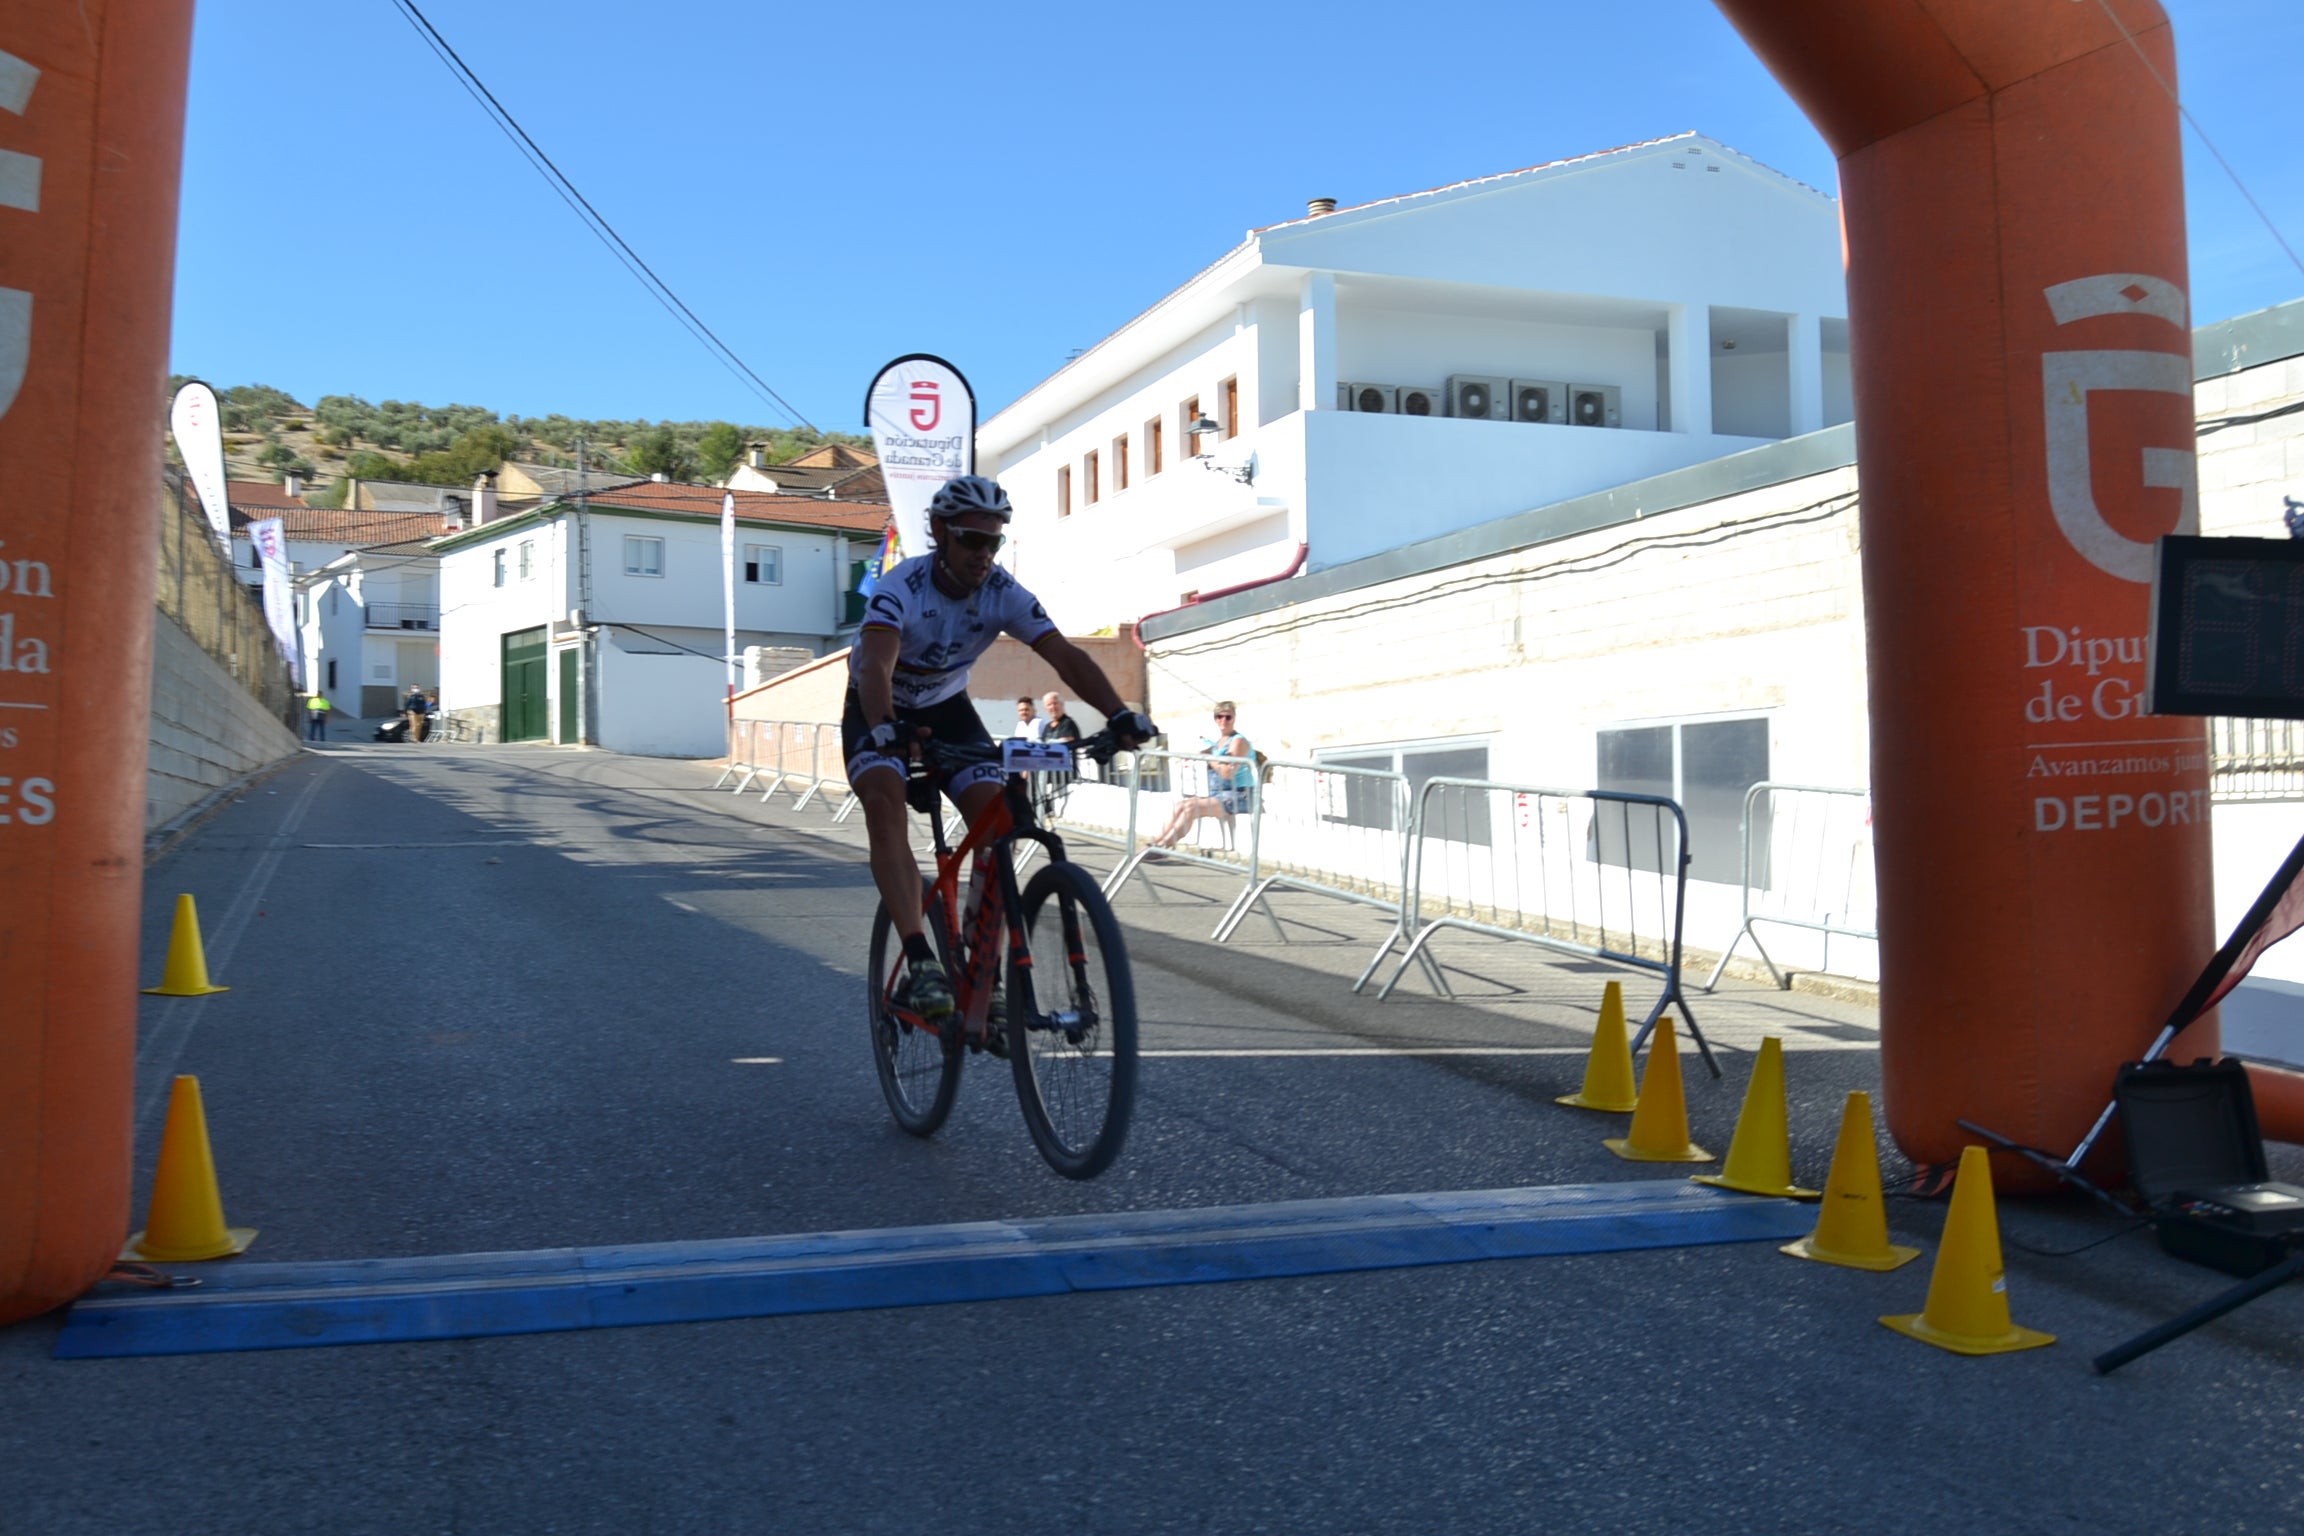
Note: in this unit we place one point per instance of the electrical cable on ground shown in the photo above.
(591, 217)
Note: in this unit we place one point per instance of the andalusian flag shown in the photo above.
(890, 553)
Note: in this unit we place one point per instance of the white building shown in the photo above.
(604, 625)
(369, 627)
(1698, 632)
(1396, 371)
(316, 535)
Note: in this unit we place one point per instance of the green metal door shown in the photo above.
(524, 696)
(570, 672)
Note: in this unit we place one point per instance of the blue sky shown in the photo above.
(1000, 183)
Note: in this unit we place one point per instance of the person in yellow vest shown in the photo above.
(316, 717)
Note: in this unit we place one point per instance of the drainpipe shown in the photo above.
(1303, 553)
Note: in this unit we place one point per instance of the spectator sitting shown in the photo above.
(1231, 787)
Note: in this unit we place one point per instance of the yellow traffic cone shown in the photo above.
(1852, 1228)
(1760, 1156)
(1659, 1131)
(1967, 1311)
(187, 1216)
(187, 973)
(1608, 1070)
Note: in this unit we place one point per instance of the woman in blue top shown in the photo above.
(1231, 786)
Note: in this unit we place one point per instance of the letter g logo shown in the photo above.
(19, 188)
(2067, 378)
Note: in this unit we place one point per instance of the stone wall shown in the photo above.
(207, 730)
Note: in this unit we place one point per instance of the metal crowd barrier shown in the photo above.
(1327, 831)
(802, 754)
(1593, 872)
(1808, 861)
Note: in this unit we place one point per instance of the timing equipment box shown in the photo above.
(2196, 1155)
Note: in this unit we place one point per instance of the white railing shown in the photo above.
(804, 755)
(1595, 872)
(2256, 759)
(1807, 865)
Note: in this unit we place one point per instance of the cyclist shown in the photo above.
(928, 621)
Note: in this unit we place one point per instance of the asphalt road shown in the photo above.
(513, 998)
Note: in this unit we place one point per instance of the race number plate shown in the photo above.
(1018, 755)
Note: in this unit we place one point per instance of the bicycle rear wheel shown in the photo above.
(919, 1068)
(1072, 1024)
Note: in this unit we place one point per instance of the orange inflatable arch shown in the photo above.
(2012, 192)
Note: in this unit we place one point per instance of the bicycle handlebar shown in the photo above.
(932, 754)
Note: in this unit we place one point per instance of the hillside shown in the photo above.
(267, 432)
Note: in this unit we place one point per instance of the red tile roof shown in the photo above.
(259, 495)
(751, 506)
(329, 525)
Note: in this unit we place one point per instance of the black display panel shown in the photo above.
(2227, 629)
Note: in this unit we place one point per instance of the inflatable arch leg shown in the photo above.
(2012, 191)
(93, 95)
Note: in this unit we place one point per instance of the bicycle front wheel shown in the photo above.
(919, 1069)
(1073, 1048)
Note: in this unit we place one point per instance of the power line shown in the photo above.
(590, 216)
(2186, 112)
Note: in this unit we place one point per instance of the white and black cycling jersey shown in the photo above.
(940, 636)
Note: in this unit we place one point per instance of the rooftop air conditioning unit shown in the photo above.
(1595, 405)
(1420, 402)
(1383, 399)
(1481, 399)
(1539, 400)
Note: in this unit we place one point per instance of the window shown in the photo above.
(255, 556)
(332, 591)
(527, 559)
(1088, 478)
(1185, 418)
(763, 565)
(331, 684)
(1119, 463)
(1063, 490)
(1360, 802)
(643, 556)
(499, 567)
(1231, 421)
(1152, 464)
(1706, 765)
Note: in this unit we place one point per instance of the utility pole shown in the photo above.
(588, 730)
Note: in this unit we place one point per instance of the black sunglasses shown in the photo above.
(968, 538)
(1223, 714)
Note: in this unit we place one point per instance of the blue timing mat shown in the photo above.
(458, 1296)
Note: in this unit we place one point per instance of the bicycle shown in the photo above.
(1075, 1063)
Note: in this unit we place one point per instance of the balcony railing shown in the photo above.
(403, 616)
(2256, 759)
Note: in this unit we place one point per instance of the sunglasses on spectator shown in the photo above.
(969, 539)
(1223, 715)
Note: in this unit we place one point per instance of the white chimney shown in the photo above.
(291, 482)
(1319, 207)
(484, 498)
(661, 478)
(756, 455)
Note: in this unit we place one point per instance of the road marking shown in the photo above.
(241, 1306)
(156, 1058)
(508, 842)
(756, 1061)
(1389, 1050)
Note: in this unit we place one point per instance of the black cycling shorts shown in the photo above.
(952, 721)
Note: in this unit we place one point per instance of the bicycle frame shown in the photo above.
(970, 935)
